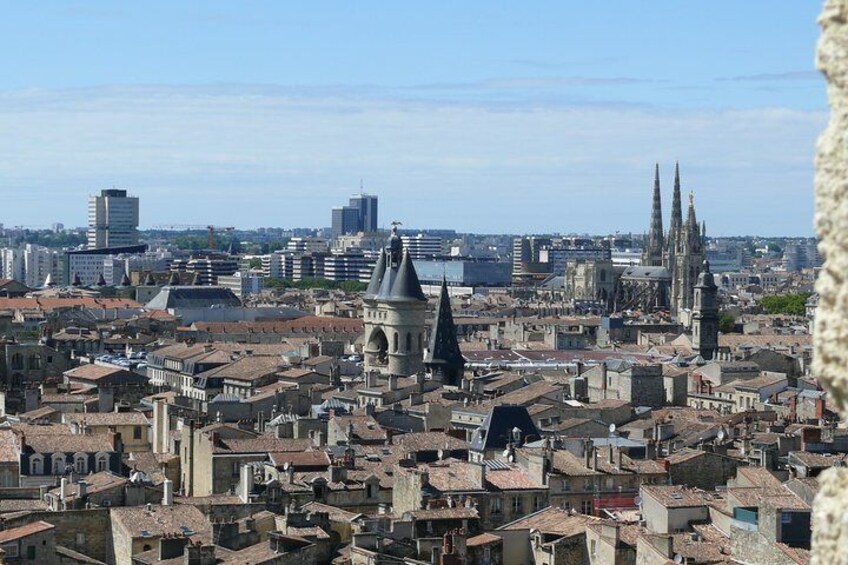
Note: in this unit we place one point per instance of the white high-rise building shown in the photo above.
(12, 264)
(39, 262)
(112, 219)
(423, 246)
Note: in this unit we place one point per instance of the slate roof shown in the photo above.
(193, 297)
(496, 431)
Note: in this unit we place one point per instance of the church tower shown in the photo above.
(654, 251)
(688, 258)
(705, 315)
(395, 309)
(443, 357)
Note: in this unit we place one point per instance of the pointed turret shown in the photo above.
(692, 228)
(101, 280)
(48, 282)
(376, 277)
(149, 280)
(444, 358)
(406, 286)
(174, 279)
(76, 280)
(125, 280)
(676, 207)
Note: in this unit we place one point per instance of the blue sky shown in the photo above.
(482, 116)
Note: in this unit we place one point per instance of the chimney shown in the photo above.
(82, 487)
(171, 546)
(260, 424)
(393, 382)
(290, 473)
(587, 452)
(618, 459)
(246, 483)
(167, 492)
(594, 458)
(604, 375)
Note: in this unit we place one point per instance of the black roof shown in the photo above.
(497, 430)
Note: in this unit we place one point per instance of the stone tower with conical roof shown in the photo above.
(443, 357)
(395, 309)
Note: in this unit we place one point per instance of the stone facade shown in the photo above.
(830, 529)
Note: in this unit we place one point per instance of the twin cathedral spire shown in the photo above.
(681, 249)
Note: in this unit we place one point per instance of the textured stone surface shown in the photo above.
(830, 513)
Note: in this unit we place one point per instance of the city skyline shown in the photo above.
(219, 111)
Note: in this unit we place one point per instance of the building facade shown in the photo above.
(112, 219)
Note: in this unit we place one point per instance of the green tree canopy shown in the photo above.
(790, 304)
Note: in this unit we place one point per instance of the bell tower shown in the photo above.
(395, 310)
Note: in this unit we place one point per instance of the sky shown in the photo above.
(480, 116)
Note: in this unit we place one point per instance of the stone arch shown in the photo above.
(378, 344)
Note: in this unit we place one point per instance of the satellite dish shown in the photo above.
(637, 501)
(678, 558)
(721, 435)
(612, 428)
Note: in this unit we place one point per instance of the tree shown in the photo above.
(789, 304)
(255, 263)
(726, 324)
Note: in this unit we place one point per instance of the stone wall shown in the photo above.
(830, 526)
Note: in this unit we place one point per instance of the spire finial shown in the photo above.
(691, 199)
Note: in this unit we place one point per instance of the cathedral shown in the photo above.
(678, 253)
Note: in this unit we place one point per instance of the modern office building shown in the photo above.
(345, 221)
(366, 205)
(89, 264)
(423, 246)
(112, 219)
(242, 284)
(463, 272)
(360, 215)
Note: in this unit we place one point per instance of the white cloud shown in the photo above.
(253, 156)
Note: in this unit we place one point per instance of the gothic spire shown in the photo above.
(444, 358)
(655, 238)
(676, 210)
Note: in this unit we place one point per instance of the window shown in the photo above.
(34, 362)
(408, 342)
(80, 464)
(11, 549)
(30, 552)
(497, 506)
(566, 485)
(80, 539)
(537, 503)
(17, 361)
(592, 547)
(587, 484)
(586, 507)
(102, 462)
(396, 339)
(137, 432)
(58, 464)
(516, 505)
(236, 466)
(36, 465)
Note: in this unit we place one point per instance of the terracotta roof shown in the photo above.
(428, 441)
(24, 531)
(70, 443)
(553, 520)
(108, 418)
(51, 304)
(159, 520)
(300, 459)
(8, 447)
(483, 539)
